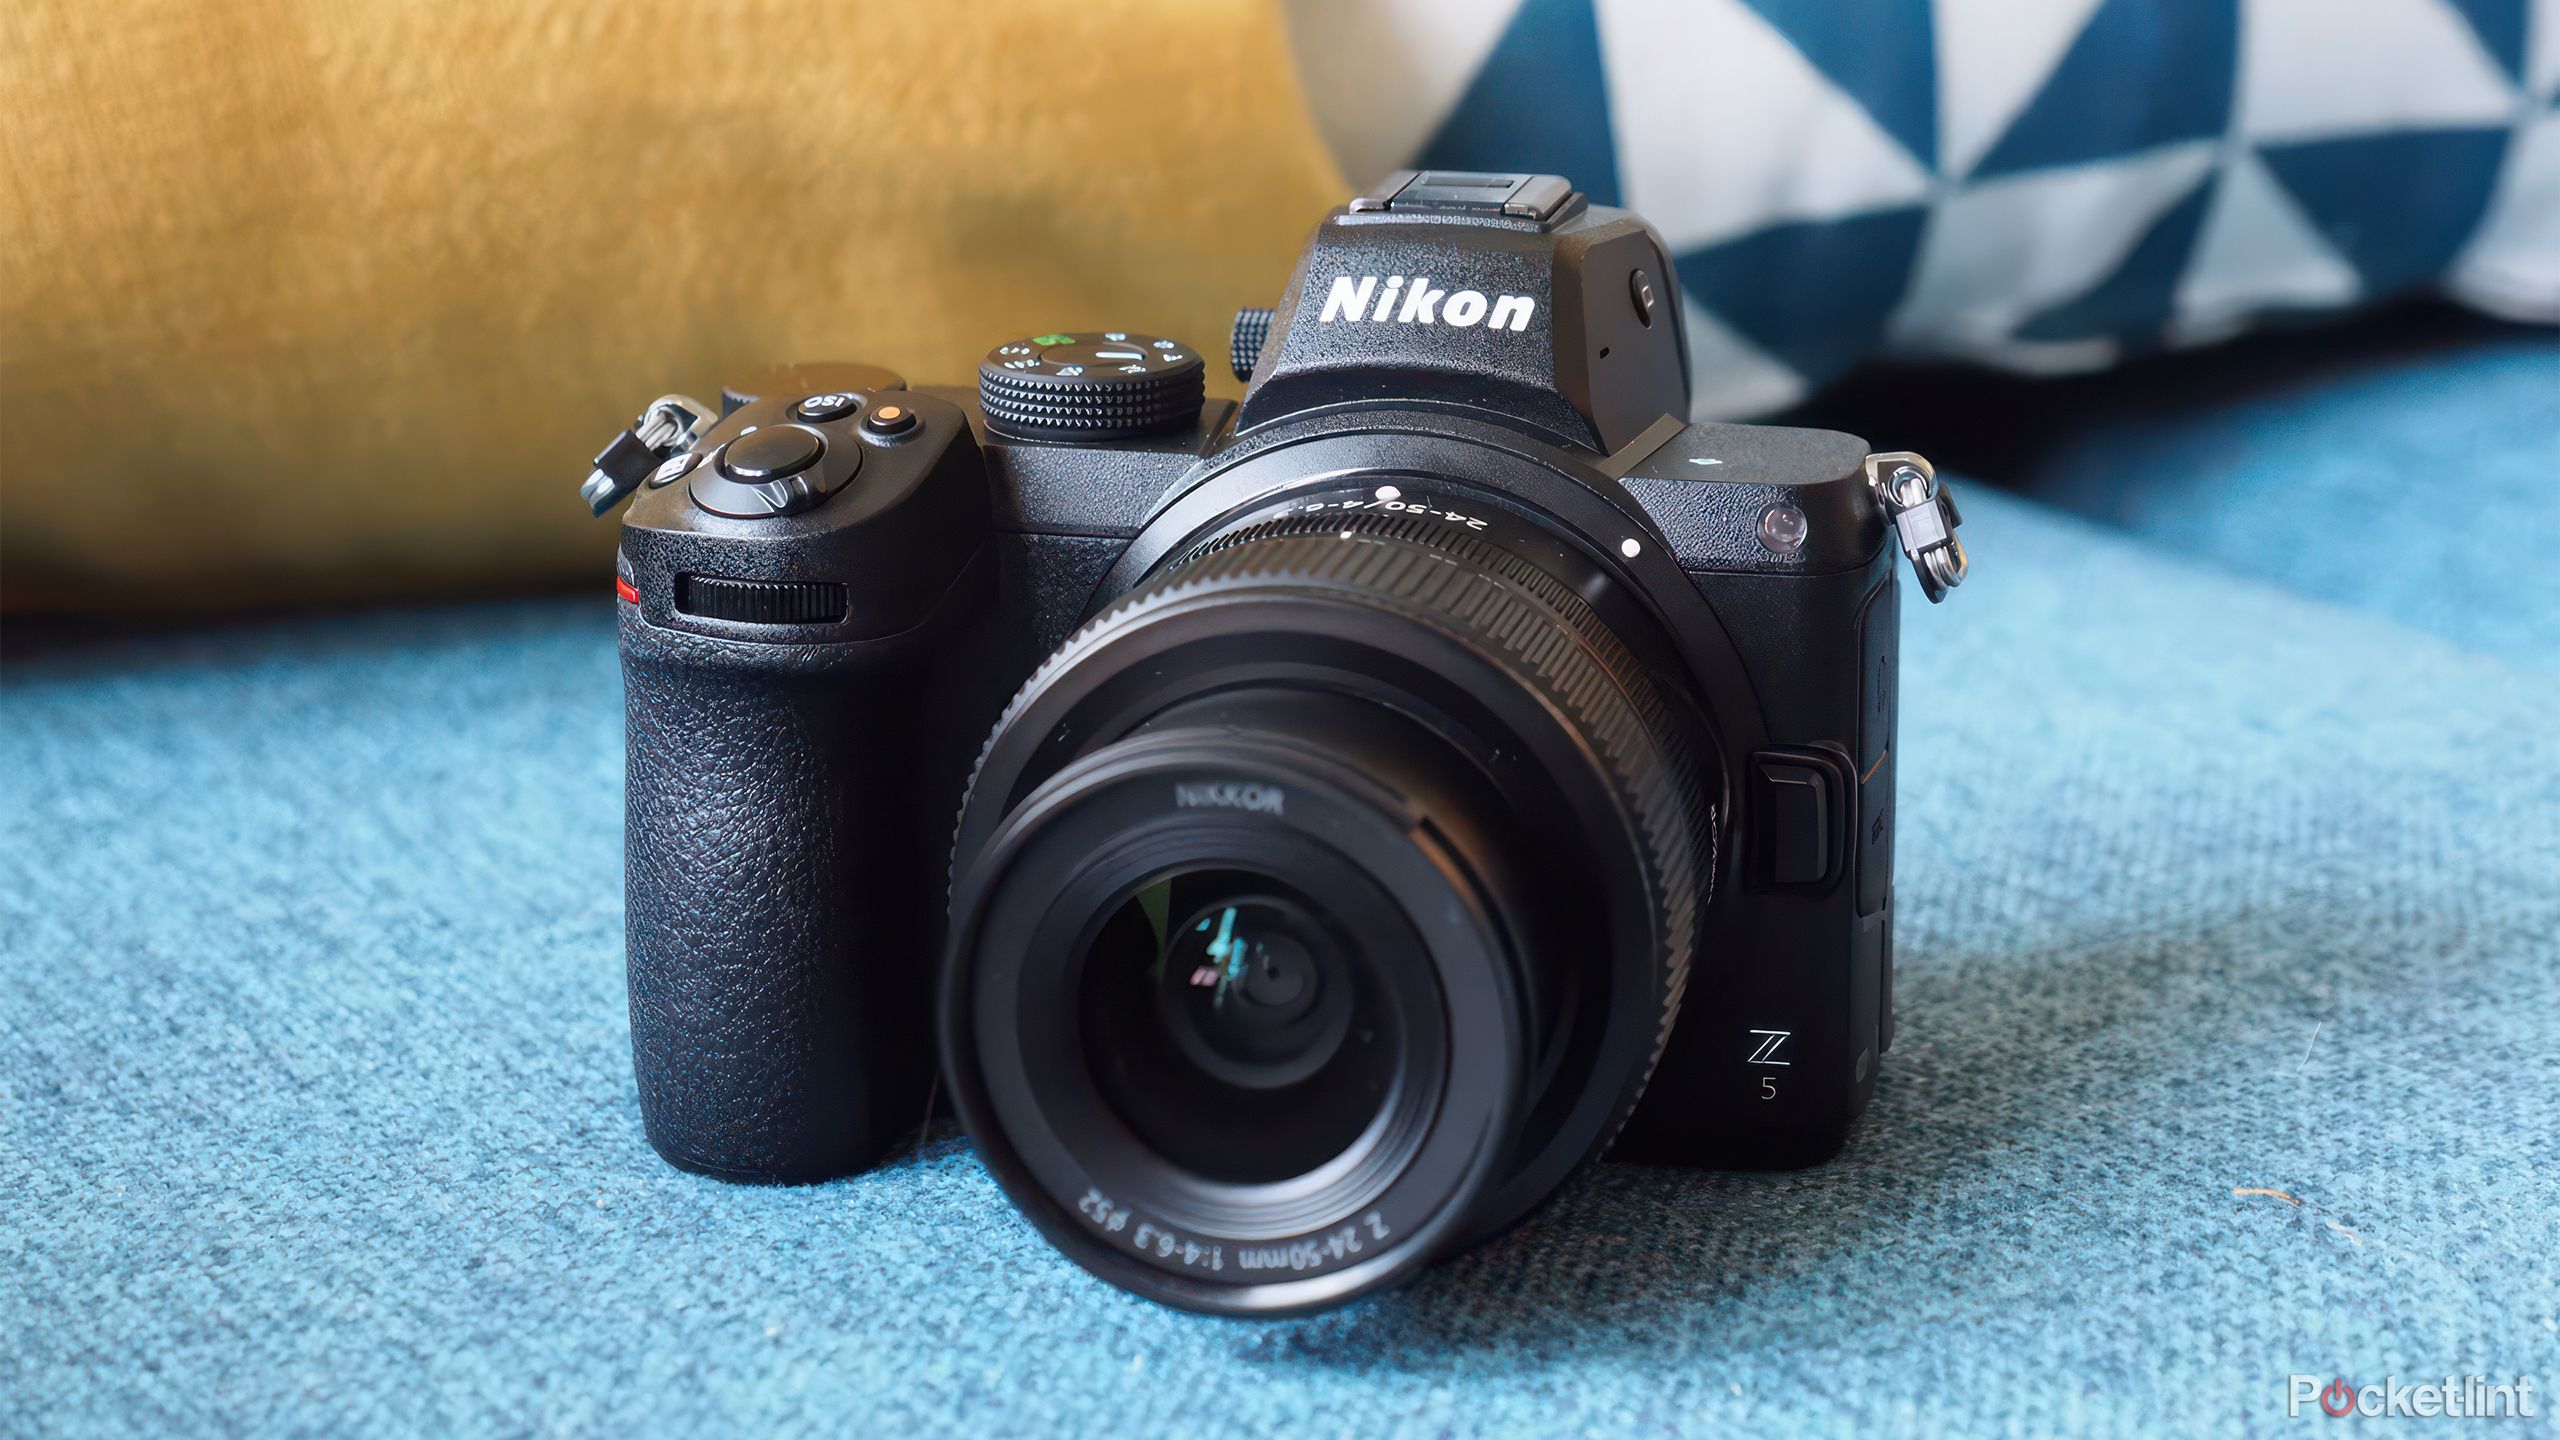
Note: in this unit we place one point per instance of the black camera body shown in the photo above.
(1392, 776)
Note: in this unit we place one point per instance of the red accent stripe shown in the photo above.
(626, 590)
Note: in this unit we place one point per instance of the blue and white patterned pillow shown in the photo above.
(2036, 184)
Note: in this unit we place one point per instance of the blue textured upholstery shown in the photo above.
(315, 1110)
(2425, 496)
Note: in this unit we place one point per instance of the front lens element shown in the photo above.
(1233, 1029)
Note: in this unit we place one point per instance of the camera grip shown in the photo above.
(774, 946)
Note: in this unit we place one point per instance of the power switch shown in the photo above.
(1799, 801)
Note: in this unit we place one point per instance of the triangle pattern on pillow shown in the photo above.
(2036, 184)
(2131, 301)
(1541, 100)
(1885, 61)
(2258, 252)
(1382, 79)
(1815, 294)
(2396, 206)
(1999, 251)
(2501, 26)
(2512, 266)
(2401, 63)
(1730, 378)
(1702, 165)
(2542, 51)
(1993, 56)
(2144, 73)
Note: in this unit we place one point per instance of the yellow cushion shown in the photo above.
(312, 300)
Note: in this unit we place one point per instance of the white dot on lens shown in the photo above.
(1630, 549)
(1389, 492)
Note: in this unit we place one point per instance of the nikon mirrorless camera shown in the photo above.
(1302, 830)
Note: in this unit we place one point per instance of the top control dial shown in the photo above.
(1090, 385)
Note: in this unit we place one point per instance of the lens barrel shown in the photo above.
(1322, 904)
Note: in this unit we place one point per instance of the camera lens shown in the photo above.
(1322, 904)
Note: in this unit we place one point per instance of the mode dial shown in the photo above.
(1090, 385)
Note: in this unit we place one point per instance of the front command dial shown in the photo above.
(1090, 385)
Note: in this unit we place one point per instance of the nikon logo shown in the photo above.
(1364, 299)
(1230, 795)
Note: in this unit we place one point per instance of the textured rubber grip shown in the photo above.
(776, 946)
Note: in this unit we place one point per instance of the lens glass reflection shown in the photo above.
(1232, 1028)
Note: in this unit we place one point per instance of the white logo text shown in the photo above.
(1365, 299)
(1230, 795)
